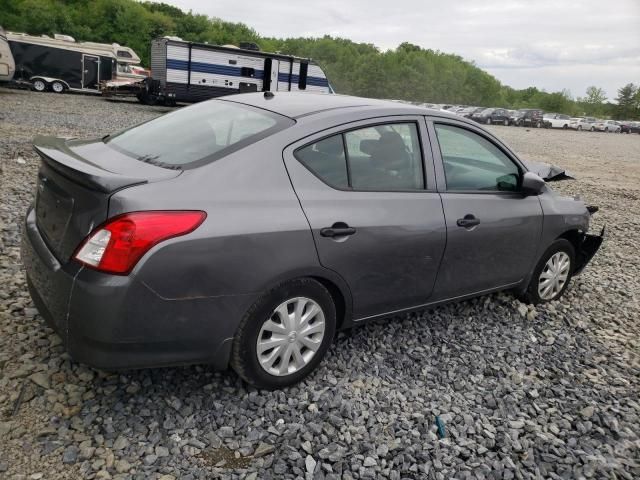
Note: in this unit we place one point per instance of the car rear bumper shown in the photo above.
(118, 322)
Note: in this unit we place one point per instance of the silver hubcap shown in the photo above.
(38, 85)
(291, 336)
(554, 275)
(57, 87)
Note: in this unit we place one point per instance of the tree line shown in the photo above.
(408, 72)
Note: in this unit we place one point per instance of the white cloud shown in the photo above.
(549, 44)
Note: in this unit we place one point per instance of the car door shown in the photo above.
(493, 230)
(369, 193)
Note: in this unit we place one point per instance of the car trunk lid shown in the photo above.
(75, 181)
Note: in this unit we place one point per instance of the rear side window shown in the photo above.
(197, 134)
(327, 160)
(471, 162)
(382, 157)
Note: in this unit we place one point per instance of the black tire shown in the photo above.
(57, 87)
(579, 128)
(531, 295)
(565, 126)
(39, 85)
(506, 123)
(244, 357)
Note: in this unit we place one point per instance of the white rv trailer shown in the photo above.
(190, 72)
(7, 65)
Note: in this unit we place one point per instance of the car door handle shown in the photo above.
(337, 230)
(468, 221)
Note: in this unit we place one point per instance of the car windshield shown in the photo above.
(197, 134)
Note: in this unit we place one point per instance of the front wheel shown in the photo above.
(579, 128)
(506, 122)
(552, 274)
(285, 334)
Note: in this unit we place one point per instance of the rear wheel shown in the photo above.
(592, 129)
(506, 122)
(579, 128)
(552, 274)
(285, 334)
(538, 124)
(39, 85)
(489, 121)
(565, 126)
(57, 87)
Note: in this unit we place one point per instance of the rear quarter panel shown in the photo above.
(255, 230)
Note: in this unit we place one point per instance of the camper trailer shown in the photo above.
(7, 65)
(128, 67)
(60, 63)
(190, 72)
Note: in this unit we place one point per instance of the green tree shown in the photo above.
(628, 102)
(593, 102)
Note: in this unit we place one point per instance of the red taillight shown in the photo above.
(117, 245)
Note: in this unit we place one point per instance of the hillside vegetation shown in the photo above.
(408, 73)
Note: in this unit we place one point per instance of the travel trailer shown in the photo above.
(60, 63)
(190, 72)
(7, 65)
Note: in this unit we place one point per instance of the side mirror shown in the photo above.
(532, 184)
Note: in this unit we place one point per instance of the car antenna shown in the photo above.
(268, 95)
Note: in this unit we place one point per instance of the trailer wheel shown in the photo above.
(39, 85)
(58, 87)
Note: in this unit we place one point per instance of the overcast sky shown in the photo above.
(548, 44)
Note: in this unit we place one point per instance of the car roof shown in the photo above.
(302, 104)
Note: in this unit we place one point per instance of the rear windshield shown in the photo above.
(198, 134)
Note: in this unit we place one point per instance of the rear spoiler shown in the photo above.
(548, 172)
(56, 154)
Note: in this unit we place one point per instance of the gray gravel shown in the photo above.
(550, 392)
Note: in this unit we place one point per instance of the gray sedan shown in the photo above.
(247, 230)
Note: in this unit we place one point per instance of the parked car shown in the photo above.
(492, 115)
(528, 117)
(631, 127)
(469, 112)
(607, 126)
(583, 123)
(557, 120)
(203, 245)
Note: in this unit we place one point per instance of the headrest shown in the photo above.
(368, 145)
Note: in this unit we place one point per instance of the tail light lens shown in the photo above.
(117, 245)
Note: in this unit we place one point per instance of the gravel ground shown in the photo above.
(551, 392)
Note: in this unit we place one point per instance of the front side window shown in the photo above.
(382, 157)
(199, 133)
(473, 163)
